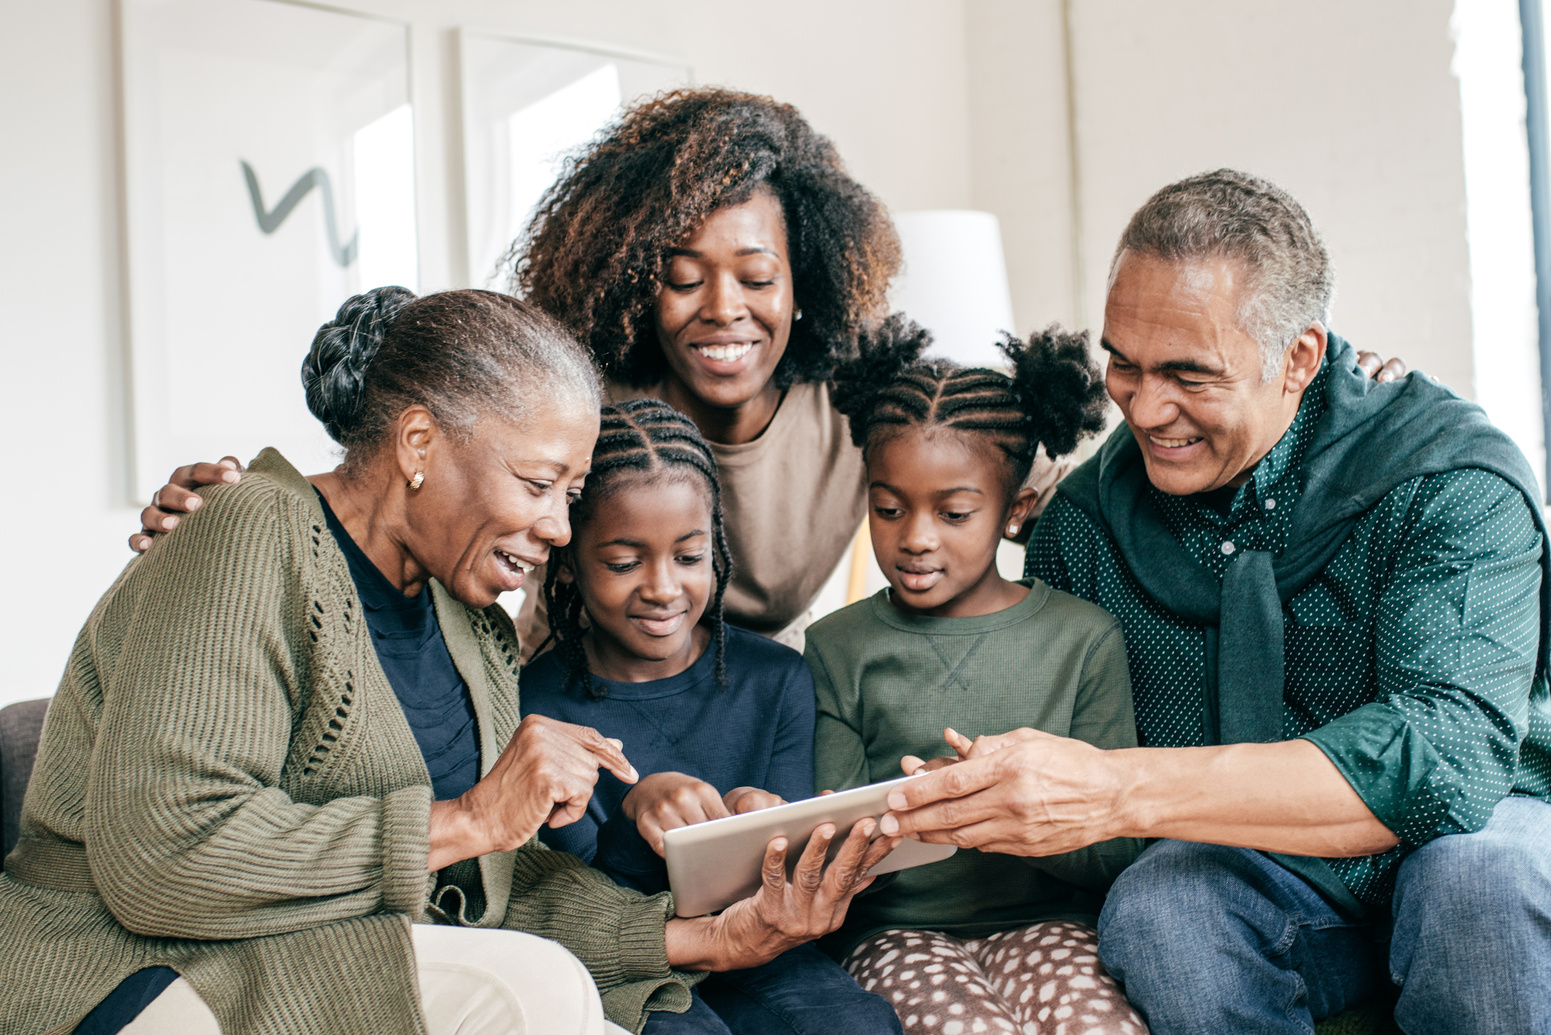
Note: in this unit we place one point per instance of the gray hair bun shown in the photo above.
(334, 372)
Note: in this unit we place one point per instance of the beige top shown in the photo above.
(792, 500)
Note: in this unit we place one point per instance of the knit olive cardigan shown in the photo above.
(227, 785)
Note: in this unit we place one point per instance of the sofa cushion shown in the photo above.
(21, 724)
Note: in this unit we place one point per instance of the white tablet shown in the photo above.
(711, 865)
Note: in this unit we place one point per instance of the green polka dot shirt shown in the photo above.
(1419, 640)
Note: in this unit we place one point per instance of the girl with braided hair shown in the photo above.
(719, 720)
(980, 941)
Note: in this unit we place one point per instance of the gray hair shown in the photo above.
(461, 354)
(1232, 214)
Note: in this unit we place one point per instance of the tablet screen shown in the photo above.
(711, 865)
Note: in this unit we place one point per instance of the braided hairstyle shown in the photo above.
(639, 437)
(594, 253)
(460, 354)
(1054, 396)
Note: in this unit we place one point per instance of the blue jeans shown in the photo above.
(1212, 939)
(800, 992)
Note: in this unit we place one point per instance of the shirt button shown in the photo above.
(1227, 549)
(1270, 504)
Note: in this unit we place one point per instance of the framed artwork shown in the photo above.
(527, 105)
(269, 174)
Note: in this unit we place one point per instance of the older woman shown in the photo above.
(290, 731)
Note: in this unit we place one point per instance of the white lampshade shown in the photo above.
(954, 282)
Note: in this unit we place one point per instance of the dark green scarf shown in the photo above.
(1372, 439)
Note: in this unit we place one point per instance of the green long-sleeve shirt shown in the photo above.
(1410, 660)
(888, 682)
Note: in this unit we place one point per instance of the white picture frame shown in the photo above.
(269, 174)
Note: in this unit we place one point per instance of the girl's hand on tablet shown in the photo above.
(914, 765)
(750, 799)
(664, 801)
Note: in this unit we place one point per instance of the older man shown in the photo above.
(1334, 601)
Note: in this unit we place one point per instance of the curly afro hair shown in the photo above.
(1054, 397)
(594, 253)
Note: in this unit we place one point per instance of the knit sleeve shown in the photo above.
(618, 934)
(839, 751)
(187, 832)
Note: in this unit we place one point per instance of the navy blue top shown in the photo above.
(413, 654)
(758, 732)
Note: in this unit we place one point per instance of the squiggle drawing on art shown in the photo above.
(270, 221)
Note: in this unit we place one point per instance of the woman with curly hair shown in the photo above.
(710, 250)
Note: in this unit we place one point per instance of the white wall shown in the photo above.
(1019, 159)
(934, 104)
(65, 483)
(1354, 108)
(885, 79)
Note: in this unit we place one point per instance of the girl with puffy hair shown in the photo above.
(981, 941)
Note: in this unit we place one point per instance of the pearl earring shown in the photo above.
(797, 314)
(417, 481)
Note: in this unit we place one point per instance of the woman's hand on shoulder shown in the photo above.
(1044, 474)
(1380, 369)
(663, 801)
(179, 497)
(545, 775)
(784, 912)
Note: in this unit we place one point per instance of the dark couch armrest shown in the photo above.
(21, 725)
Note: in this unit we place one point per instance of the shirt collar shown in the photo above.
(1287, 456)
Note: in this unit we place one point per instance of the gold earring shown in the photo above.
(417, 481)
(1012, 530)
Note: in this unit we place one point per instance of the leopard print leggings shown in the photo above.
(1045, 979)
